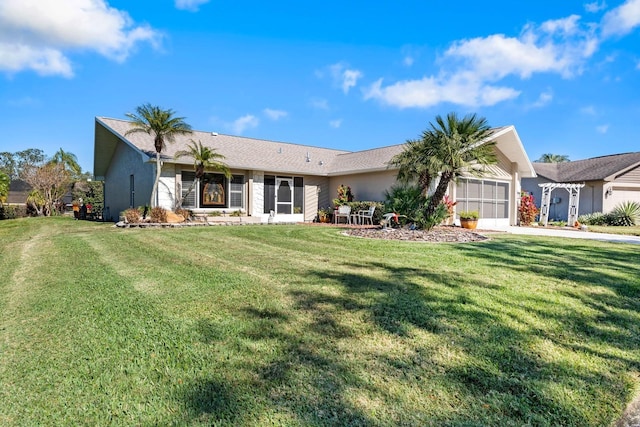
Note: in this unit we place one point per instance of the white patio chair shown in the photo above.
(366, 215)
(343, 211)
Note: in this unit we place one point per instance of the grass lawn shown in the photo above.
(295, 325)
(629, 231)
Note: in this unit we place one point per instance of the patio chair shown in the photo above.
(366, 215)
(343, 211)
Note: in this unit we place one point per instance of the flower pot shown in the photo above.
(471, 224)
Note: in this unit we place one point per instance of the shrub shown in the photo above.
(527, 209)
(344, 195)
(185, 213)
(158, 214)
(626, 214)
(132, 216)
(404, 200)
(13, 212)
(595, 218)
(236, 213)
(428, 222)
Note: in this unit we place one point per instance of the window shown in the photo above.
(490, 198)
(236, 192)
(132, 192)
(189, 192)
(213, 191)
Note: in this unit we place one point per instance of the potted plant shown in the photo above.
(324, 214)
(469, 219)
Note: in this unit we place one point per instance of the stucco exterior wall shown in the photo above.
(257, 189)
(316, 196)
(126, 162)
(364, 186)
(167, 187)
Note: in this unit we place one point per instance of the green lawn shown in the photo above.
(296, 325)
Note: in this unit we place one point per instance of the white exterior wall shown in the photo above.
(257, 190)
(167, 187)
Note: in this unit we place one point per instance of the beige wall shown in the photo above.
(365, 186)
(316, 195)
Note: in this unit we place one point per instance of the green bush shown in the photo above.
(626, 214)
(13, 212)
(428, 222)
(404, 200)
(595, 218)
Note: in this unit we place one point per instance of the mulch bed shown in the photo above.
(441, 234)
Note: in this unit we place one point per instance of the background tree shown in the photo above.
(51, 181)
(4, 187)
(163, 126)
(28, 158)
(204, 158)
(553, 158)
(448, 149)
(8, 165)
(69, 161)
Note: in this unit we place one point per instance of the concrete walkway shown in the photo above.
(573, 234)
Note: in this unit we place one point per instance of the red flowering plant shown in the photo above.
(527, 210)
(449, 203)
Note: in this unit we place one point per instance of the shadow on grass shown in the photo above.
(499, 372)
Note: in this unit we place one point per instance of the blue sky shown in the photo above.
(347, 75)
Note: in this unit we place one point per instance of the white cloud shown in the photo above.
(37, 35)
(344, 77)
(243, 123)
(430, 91)
(472, 69)
(274, 114)
(319, 103)
(335, 123)
(190, 5)
(602, 129)
(544, 99)
(589, 110)
(595, 6)
(408, 61)
(621, 20)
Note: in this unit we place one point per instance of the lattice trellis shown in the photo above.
(574, 199)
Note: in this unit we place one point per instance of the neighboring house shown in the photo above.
(284, 182)
(18, 192)
(609, 180)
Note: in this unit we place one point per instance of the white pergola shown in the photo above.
(574, 198)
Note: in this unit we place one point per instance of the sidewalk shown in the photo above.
(573, 234)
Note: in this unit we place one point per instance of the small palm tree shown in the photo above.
(204, 158)
(68, 160)
(163, 126)
(450, 148)
(553, 158)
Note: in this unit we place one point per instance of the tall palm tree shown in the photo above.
(163, 126)
(68, 160)
(204, 158)
(448, 149)
(553, 158)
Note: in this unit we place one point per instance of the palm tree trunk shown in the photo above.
(191, 187)
(438, 195)
(154, 192)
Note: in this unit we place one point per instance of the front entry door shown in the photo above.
(284, 195)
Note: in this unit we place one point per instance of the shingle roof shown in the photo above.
(593, 169)
(239, 152)
(274, 156)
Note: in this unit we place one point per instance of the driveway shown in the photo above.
(574, 234)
